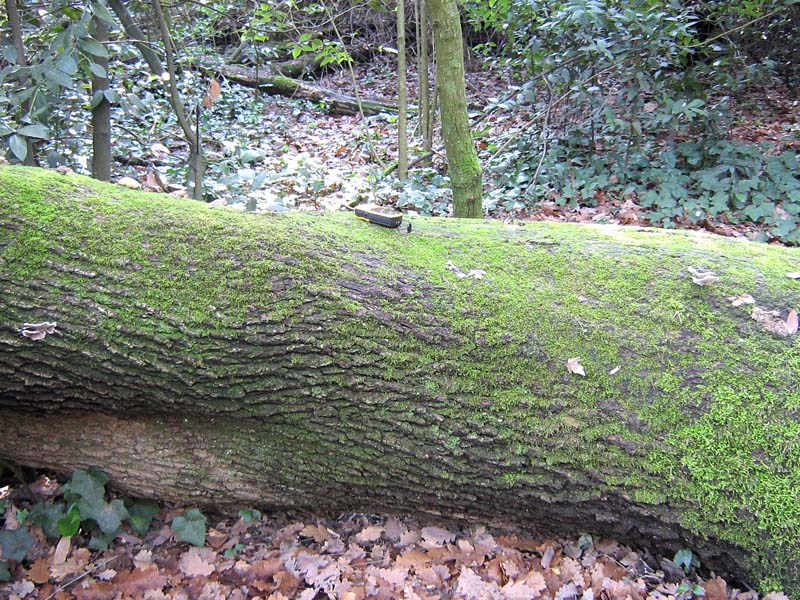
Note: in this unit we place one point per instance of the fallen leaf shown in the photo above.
(62, 550)
(791, 322)
(369, 534)
(574, 366)
(772, 321)
(39, 571)
(22, 588)
(139, 580)
(159, 149)
(472, 587)
(437, 536)
(742, 299)
(716, 589)
(195, 562)
(547, 557)
(129, 182)
(319, 533)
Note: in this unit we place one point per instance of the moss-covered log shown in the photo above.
(317, 361)
(293, 88)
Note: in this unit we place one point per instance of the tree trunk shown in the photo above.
(101, 111)
(15, 23)
(321, 362)
(402, 93)
(462, 158)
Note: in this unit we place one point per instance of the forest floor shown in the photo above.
(269, 153)
(282, 556)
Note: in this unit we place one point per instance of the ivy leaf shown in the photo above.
(69, 524)
(684, 559)
(140, 515)
(46, 515)
(108, 515)
(101, 540)
(89, 486)
(16, 543)
(190, 527)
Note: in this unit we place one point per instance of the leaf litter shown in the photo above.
(353, 557)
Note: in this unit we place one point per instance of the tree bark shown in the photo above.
(310, 361)
(462, 158)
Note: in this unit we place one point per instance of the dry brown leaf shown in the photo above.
(95, 590)
(62, 550)
(547, 557)
(394, 529)
(39, 571)
(436, 536)
(791, 322)
(772, 321)
(776, 596)
(716, 589)
(741, 299)
(196, 562)
(471, 587)
(369, 534)
(129, 182)
(574, 366)
(139, 580)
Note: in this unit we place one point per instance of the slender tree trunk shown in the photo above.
(19, 47)
(101, 111)
(197, 166)
(423, 64)
(137, 36)
(225, 358)
(462, 158)
(402, 93)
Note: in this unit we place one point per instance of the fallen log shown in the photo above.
(317, 361)
(294, 88)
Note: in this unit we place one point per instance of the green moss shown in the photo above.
(701, 393)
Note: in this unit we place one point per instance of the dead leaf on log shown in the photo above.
(574, 366)
(741, 299)
(771, 321)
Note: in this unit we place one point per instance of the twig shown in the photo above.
(75, 580)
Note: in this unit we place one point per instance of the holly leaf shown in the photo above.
(16, 543)
(190, 527)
